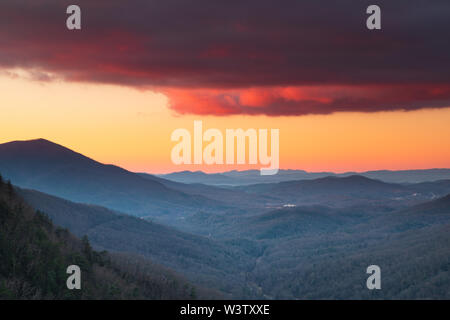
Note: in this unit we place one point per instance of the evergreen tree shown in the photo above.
(10, 189)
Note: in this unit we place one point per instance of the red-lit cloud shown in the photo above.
(241, 57)
(301, 100)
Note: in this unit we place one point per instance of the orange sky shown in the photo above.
(132, 129)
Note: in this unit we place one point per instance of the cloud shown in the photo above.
(230, 57)
(303, 100)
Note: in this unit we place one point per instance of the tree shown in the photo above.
(87, 249)
(10, 189)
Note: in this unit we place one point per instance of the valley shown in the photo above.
(242, 241)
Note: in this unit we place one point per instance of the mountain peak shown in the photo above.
(54, 169)
(351, 178)
(357, 177)
(40, 150)
(40, 140)
(33, 142)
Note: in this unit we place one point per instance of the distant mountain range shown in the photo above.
(56, 170)
(233, 178)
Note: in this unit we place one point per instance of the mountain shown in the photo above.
(254, 176)
(236, 178)
(199, 177)
(409, 176)
(353, 190)
(35, 254)
(351, 184)
(54, 169)
(329, 191)
(247, 177)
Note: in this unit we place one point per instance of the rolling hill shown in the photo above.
(348, 191)
(200, 259)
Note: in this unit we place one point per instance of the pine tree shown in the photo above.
(87, 249)
(10, 189)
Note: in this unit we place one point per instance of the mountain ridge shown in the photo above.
(248, 177)
(54, 169)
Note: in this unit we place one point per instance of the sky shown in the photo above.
(344, 98)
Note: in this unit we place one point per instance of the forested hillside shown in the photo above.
(35, 254)
(201, 259)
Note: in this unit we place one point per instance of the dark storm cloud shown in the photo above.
(227, 48)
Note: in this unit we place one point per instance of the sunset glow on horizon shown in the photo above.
(131, 128)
